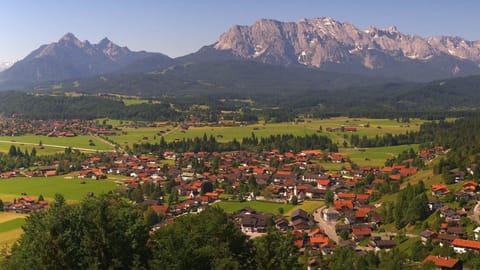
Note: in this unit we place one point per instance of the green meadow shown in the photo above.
(133, 101)
(71, 189)
(269, 207)
(131, 136)
(364, 126)
(11, 225)
(376, 156)
(53, 144)
(261, 206)
(46, 150)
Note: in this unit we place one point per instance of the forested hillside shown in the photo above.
(84, 107)
(294, 90)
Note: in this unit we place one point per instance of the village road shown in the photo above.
(328, 227)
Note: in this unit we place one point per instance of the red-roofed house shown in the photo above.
(361, 233)
(160, 209)
(462, 245)
(362, 213)
(342, 205)
(395, 177)
(28, 199)
(470, 186)
(346, 196)
(212, 195)
(440, 189)
(323, 183)
(444, 262)
(362, 197)
(378, 181)
(311, 152)
(408, 171)
(318, 241)
(298, 243)
(387, 169)
(50, 173)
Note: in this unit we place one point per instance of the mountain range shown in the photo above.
(323, 44)
(71, 58)
(331, 45)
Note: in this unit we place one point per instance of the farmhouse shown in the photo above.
(444, 262)
(24, 205)
(361, 233)
(380, 244)
(462, 245)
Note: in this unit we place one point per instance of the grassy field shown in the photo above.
(300, 129)
(376, 156)
(129, 102)
(267, 207)
(223, 134)
(46, 150)
(308, 206)
(270, 207)
(71, 189)
(134, 101)
(6, 216)
(138, 135)
(11, 225)
(407, 245)
(329, 166)
(8, 238)
(52, 144)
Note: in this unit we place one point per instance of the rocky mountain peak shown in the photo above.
(71, 58)
(68, 37)
(392, 29)
(111, 49)
(324, 42)
(105, 42)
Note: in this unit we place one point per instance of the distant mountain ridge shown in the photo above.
(5, 65)
(331, 45)
(71, 58)
(319, 43)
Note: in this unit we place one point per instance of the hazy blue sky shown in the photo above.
(179, 27)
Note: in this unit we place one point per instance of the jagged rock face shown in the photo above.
(71, 58)
(321, 41)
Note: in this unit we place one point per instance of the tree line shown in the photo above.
(18, 158)
(283, 143)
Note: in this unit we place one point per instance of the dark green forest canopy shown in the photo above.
(83, 107)
(107, 232)
(99, 233)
